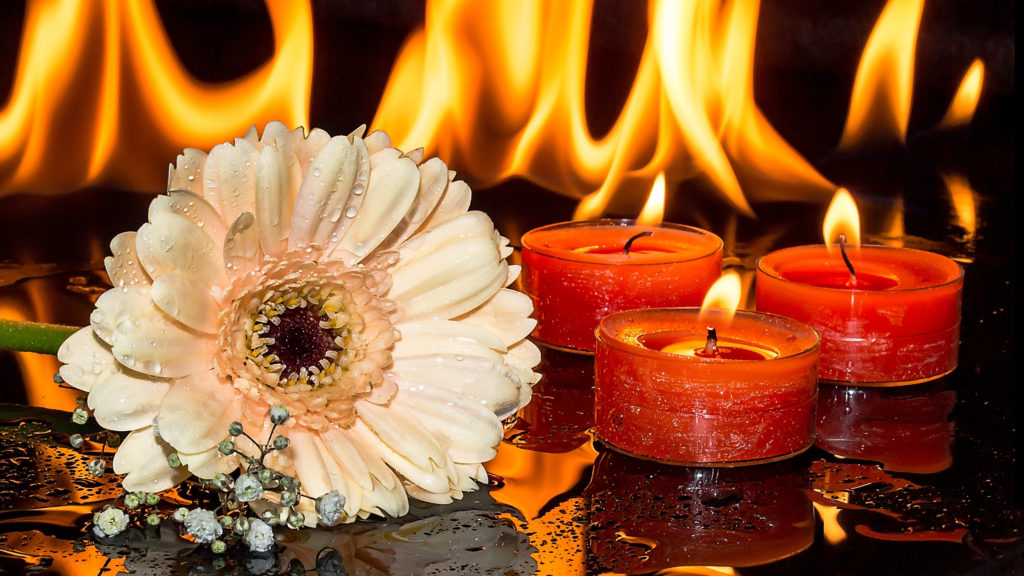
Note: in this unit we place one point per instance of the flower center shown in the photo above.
(315, 337)
(298, 341)
(305, 336)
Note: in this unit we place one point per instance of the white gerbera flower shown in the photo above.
(336, 277)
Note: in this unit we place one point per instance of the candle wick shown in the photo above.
(629, 243)
(711, 346)
(846, 259)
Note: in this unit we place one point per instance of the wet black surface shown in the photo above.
(916, 480)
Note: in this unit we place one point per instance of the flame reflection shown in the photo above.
(962, 108)
(37, 370)
(964, 201)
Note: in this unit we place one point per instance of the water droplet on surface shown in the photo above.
(351, 212)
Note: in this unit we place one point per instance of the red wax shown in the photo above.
(576, 273)
(899, 324)
(704, 411)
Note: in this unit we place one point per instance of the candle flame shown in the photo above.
(724, 296)
(842, 218)
(654, 209)
(962, 108)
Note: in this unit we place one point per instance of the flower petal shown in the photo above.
(143, 457)
(467, 430)
(193, 207)
(506, 314)
(404, 444)
(454, 203)
(389, 194)
(123, 401)
(331, 193)
(448, 270)
(208, 463)
(522, 358)
(123, 266)
(242, 245)
(274, 198)
(172, 243)
(341, 481)
(488, 381)
(396, 429)
(152, 343)
(348, 457)
(428, 496)
(186, 300)
(188, 172)
(377, 140)
(294, 147)
(227, 184)
(433, 181)
(307, 147)
(384, 493)
(84, 358)
(119, 305)
(196, 412)
(309, 466)
(427, 337)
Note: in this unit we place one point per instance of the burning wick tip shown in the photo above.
(846, 259)
(629, 243)
(711, 346)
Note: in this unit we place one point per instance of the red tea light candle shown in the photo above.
(579, 272)
(664, 391)
(887, 316)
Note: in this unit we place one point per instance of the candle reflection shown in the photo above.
(905, 430)
(561, 411)
(646, 516)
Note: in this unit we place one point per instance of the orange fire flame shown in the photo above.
(961, 110)
(517, 108)
(103, 78)
(842, 218)
(99, 96)
(723, 298)
(882, 91)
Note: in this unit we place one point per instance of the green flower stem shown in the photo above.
(33, 336)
